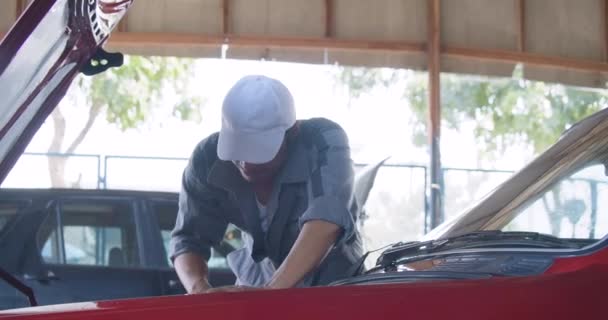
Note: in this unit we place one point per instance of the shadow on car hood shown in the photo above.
(496, 298)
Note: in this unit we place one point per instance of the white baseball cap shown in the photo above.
(256, 113)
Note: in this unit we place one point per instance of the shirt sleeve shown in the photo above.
(330, 187)
(199, 224)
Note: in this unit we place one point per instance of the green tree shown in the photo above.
(358, 81)
(126, 96)
(512, 111)
(505, 111)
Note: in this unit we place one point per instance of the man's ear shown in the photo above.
(292, 132)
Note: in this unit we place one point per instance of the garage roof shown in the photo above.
(556, 40)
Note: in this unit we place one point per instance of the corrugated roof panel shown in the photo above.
(381, 20)
(568, 77)
(313, 56)
(187, 16)
(479, 24)
(7, 15)
(411, 60)
(278, 17)
(374, 59)
(565, 28)
(554, 29)
(149, 50)
(476, 67)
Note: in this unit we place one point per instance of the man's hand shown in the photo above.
(312, 245)
(200, 286)
(233, 289)
(192, 271)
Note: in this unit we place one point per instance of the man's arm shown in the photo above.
(327, 221)
(199, 224)
(312, 245)
(193, 272)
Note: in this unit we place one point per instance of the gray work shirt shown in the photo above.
(315, 183)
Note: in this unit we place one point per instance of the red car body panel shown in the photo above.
(568, 295)
(573, 264)
(572, 288)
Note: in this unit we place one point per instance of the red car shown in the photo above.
(535, 248)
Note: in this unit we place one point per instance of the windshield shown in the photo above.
(569, 201)
(573, 207)
(564, 192)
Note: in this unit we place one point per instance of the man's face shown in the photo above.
(262, 172)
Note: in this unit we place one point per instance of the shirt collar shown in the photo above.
(296, 167)
(225, 175)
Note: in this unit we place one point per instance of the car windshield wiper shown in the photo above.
(480, 239)
(17, 284)
(409, 276)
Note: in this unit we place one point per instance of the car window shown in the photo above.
(575, 207)
(166, 213)
(90, 233)
(8, 211)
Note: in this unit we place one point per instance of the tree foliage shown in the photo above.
(504, 111)
(361, 80)
(130, 92)
(126, 96)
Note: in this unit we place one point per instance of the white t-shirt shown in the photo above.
(247, 271)
(264, 218)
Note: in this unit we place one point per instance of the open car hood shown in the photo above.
(49, 45)
(572, 151)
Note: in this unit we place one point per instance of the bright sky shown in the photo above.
(377, 125)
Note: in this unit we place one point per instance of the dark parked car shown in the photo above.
(63, 242)
(81, 245)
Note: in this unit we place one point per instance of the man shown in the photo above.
(287, 184)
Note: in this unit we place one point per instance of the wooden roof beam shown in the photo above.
(139, 39)
(527, 58)
(133, 39)
(604, 27)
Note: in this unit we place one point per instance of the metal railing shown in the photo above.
(390, 187)
(107, 159)
(141, 171)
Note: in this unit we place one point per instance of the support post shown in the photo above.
(604, 27)
(434, 54)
